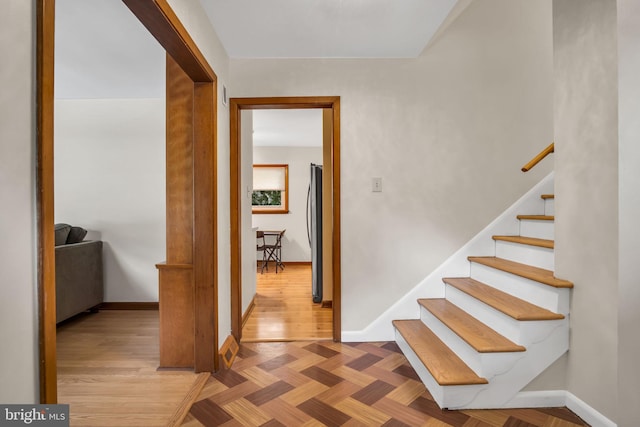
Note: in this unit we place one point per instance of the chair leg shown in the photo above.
(268, 255)
(278, 259)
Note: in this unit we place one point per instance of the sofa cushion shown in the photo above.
(76, 234)
(61, 233)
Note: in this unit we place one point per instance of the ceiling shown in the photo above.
(287, 128)
(102, 50)
(326, 28)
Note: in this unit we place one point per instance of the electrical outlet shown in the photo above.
(376, 185)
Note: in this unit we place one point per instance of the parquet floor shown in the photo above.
(284, 309)
(338, 384)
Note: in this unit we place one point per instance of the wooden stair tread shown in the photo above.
(548, 196)
(475, 333)
(537, 217)
(523, 270)
(523, 240)
(443, 364)
(505, 303)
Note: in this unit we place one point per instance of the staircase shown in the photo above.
(499, 328)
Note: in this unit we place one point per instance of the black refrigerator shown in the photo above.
(314, 230)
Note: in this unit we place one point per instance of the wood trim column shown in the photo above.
(45, 11)
(205, 222)
(235, 198)
(337, 233)
(327, 208)
(179, 164)
(175, 276)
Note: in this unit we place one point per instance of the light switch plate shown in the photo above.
(376, 184)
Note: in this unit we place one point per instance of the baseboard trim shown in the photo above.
(229, 351)
(559, 398)
(538, 399)
(247, 313)
(587, 413)
(259, 263)
(129, 306)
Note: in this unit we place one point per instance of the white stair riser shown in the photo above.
(545, 296)
(550, 207)
(536, 228)
(526, 254)
(520, 332)
(444, 396)
(486, 365)
(500, 322)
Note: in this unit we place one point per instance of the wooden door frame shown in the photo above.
(45, 61)
(236, 106)
(160, 20)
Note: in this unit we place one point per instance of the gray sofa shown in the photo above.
(79, 280)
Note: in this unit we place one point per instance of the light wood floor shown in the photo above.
(284, 310)
(107, 373)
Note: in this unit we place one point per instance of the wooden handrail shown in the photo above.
(544, 153)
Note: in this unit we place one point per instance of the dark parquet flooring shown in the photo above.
(339, 384)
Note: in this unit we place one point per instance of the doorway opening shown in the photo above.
(331, 219)
(279, 301)
(164, 25)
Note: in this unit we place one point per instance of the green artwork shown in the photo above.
(266, 198)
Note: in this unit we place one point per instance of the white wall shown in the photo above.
(295, 243)
(248, 236)
(628, 212)
(110, 180)
(195, 20)
(110, 57)
(18, 302)
(447, 132)
(586, 188)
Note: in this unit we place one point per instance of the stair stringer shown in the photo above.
(457, 265)
(504, 387)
